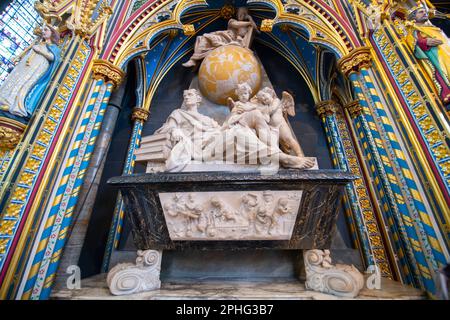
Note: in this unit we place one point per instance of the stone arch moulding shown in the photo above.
(323, 24)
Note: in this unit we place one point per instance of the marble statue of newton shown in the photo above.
(195, 136)
(22, 90)
(239, 33)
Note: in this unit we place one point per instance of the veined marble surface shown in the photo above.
(95, 288)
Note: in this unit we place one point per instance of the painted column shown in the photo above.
(359, 207)
(27, 170)
(416, 247)
(88, 192)
(422, 122)
(139, 116)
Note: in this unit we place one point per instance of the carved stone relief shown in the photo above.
(256, 215)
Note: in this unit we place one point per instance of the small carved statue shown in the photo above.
(282, 209)
(239, 33)
(279, 110)
(22, 90)
(432, 47)
(252, 115)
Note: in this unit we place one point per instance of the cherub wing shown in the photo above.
(288, 104)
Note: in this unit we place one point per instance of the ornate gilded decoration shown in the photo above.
(267, 25)
(105, 70)
(10, 133)
(227, 12)
(354, 108)
(140, 114)
(82, 23)
(325, 108)
(188, 29)
(356, 60)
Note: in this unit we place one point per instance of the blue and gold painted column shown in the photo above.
(359, 207)
(53, 235)
(415, 239)
(139, 117)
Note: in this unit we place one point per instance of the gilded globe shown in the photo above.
(224, 68)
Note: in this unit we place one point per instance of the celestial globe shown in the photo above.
(224, 68)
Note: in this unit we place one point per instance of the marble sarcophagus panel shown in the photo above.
(220, 210)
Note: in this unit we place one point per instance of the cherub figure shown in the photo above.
(248, 114)
(279, 110)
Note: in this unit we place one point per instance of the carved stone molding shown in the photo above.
(322, 276)
(356, 60)
(107, 71)
(11, 132)
(128, 278)
(354, 108)
(140, 114)
(326, 108)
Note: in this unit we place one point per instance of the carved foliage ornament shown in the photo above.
(10, 133)
(140, 114)
(355, 61)
(108, 72)
(354, 108)
(326, 108)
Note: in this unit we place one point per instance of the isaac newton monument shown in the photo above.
(240, 149)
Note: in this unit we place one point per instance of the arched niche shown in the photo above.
(156, 82)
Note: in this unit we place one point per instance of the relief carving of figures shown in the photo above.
(22, 90)
(431, 47)
(230, 216)
(239, 33)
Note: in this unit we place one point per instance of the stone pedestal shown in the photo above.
(339, 280)
(289, 210)
(128, 278)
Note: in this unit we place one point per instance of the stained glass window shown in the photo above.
(17, 23)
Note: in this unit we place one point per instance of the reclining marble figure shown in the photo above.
(239, 33)
(197, 138)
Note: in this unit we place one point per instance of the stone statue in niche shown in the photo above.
(196, 138)
(249, 114)
(279, 110)
(239, 33)
(431, 47)
(23, 88)
(267, 215)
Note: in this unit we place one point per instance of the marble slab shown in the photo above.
(95, 288)
(231, 215)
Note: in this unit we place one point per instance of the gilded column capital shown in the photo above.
(140, 114)
(356, 60)
(108, 72)
(354, 108)
(11, 132)
(267, 25)
(326, 108)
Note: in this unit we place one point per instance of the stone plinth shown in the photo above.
(95, 288)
